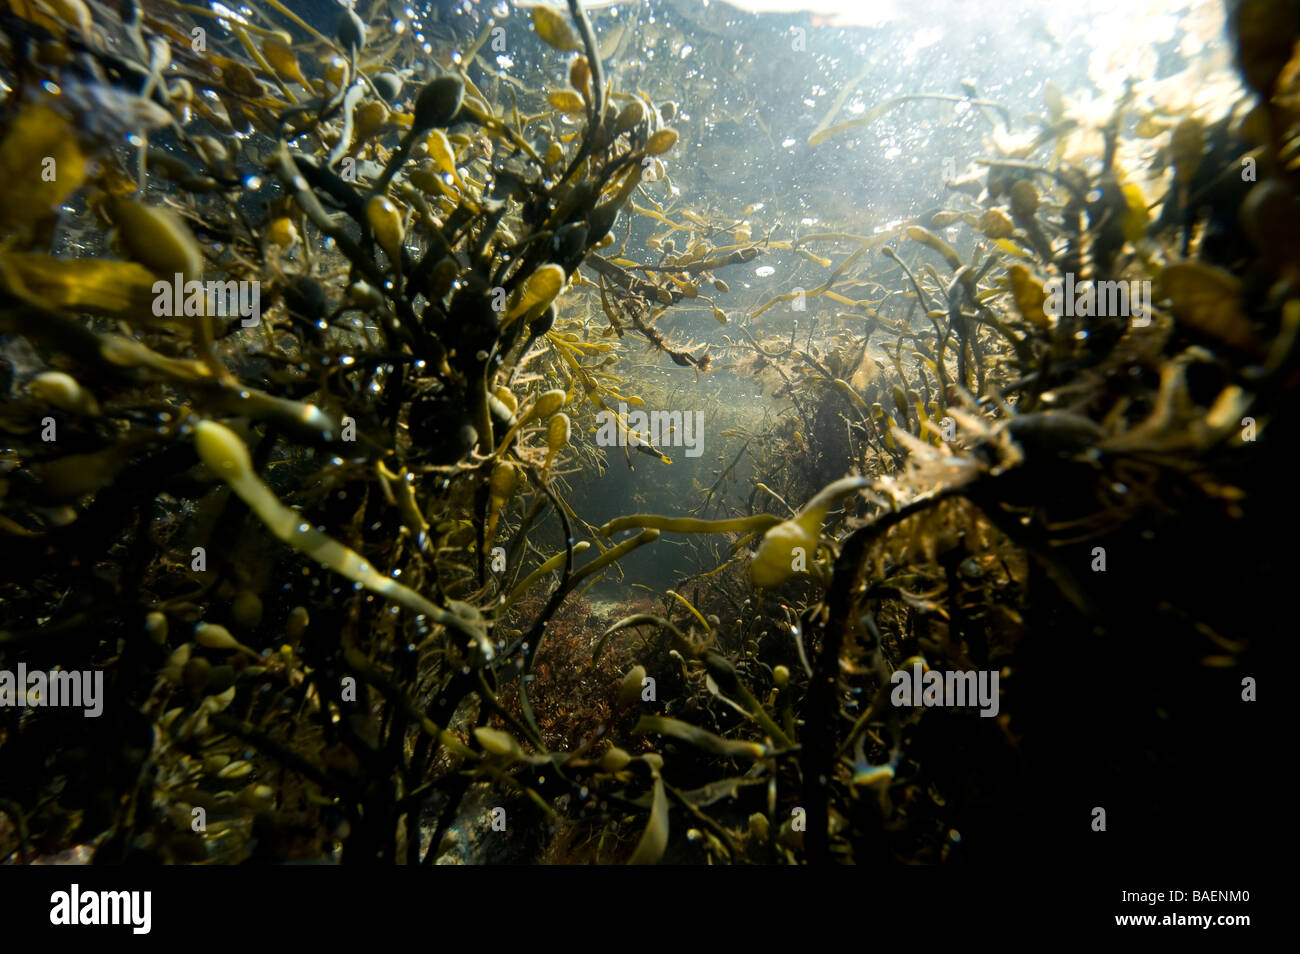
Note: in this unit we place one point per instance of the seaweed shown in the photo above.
(328, 545)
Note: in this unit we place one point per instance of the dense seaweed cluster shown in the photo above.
(328, 549)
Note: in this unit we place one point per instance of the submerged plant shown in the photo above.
(329, 547)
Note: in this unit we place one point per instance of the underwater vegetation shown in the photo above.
(309, 335)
